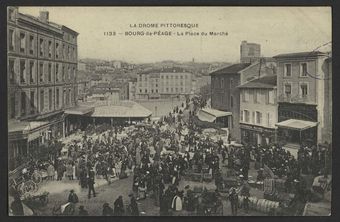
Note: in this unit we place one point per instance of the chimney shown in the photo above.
(44, 16)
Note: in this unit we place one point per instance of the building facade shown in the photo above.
(250, 52)
(225, 94)
(258, 110)
(42, 68)
(164, 83)
(304, 97)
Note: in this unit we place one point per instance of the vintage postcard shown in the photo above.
(169, 111)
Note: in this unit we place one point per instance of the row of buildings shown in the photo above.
(168, 82)
(285, 99)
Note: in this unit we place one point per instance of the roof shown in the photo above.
(296, 124)
(15, 126)
(265, 82)
(300, 54)
(79, 110)
(210, 115)
(232, 69)
(166, 70)
(125, 109)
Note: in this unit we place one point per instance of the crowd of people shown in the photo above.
(160, 154)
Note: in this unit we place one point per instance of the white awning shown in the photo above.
(296, 124)
(210, 115)
(203, 116)
(216, 113)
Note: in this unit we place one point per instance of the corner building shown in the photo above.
(41, 74)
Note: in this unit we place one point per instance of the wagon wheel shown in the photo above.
(29, 187)
(20, 189)
(36, 177)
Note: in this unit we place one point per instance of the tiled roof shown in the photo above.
(232, 69)
(300, 54)
(265, 82)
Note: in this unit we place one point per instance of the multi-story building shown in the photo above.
(225, 95)
(42, 67)
(163, 83)
(258, 110)
(304, 87)
(250, 52)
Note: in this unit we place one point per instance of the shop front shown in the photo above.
(257, 135)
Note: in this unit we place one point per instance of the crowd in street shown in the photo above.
(159, 154)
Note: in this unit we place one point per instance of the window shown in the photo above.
(22, 42)
(41, 72)
(151, 90)
(146, 90)
(50, 99)
(258, 117)
(181, 77)
(13, 106)
(167, 77)
(271, 97)
(11, 14)
(69, 73)
(31, 45)
(49, 72)
(181, 89)
(288, 89)
(57, 98)
(31, 71)
(140, 90)
(156, 90)
(11, 71)
(22, 71)
(253, 117)
(231, 101)
(241, 116)
(74, 74)
(70, 96)
(303, 90)
(268, 119)
(246, 95)
(49, 49)
(11, 40)
(255, 93)
(303, 69)
(231, 83)
(32, 102)
(63, 73)
(222, 82)
(172, 89)
(42, 100)
(23, 103)
(41, 46)
(57, 72)
(246, 116)
(57, 50)
(288, 70)
(167, 89)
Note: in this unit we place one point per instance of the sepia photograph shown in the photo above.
(169, 111)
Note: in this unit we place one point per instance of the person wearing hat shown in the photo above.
(90, 183)
(107, 210)
(133, 207)
(118, 206)
(72, 197)
(233, 198)
(82, 211)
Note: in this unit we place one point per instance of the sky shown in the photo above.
(277, 29)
